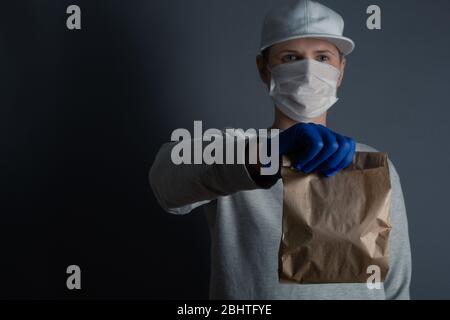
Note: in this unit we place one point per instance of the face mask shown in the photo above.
(304, 89)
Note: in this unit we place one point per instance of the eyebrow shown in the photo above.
(317, 51)
(324, 51)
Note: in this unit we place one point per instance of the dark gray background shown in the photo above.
(83, 114)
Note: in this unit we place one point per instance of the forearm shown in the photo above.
(180, 185)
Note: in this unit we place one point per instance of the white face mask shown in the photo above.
(304, 89)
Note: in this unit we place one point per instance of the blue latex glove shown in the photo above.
(317, 148)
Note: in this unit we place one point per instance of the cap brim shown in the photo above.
(344, 44)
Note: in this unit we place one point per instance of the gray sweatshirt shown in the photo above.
(245, 227)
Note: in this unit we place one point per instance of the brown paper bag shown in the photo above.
(334, 228)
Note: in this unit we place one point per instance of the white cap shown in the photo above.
(304, 19)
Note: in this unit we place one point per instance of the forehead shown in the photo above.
(304, 45)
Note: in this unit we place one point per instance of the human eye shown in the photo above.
(289, 58)
(323, 58)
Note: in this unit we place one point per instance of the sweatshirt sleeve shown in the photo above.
(181, 188)
(397, 282)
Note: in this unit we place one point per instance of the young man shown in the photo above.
(302, 62)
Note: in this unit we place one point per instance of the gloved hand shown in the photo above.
(317, 148)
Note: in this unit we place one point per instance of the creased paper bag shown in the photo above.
(335, 228)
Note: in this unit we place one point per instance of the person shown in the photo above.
(302, 62)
